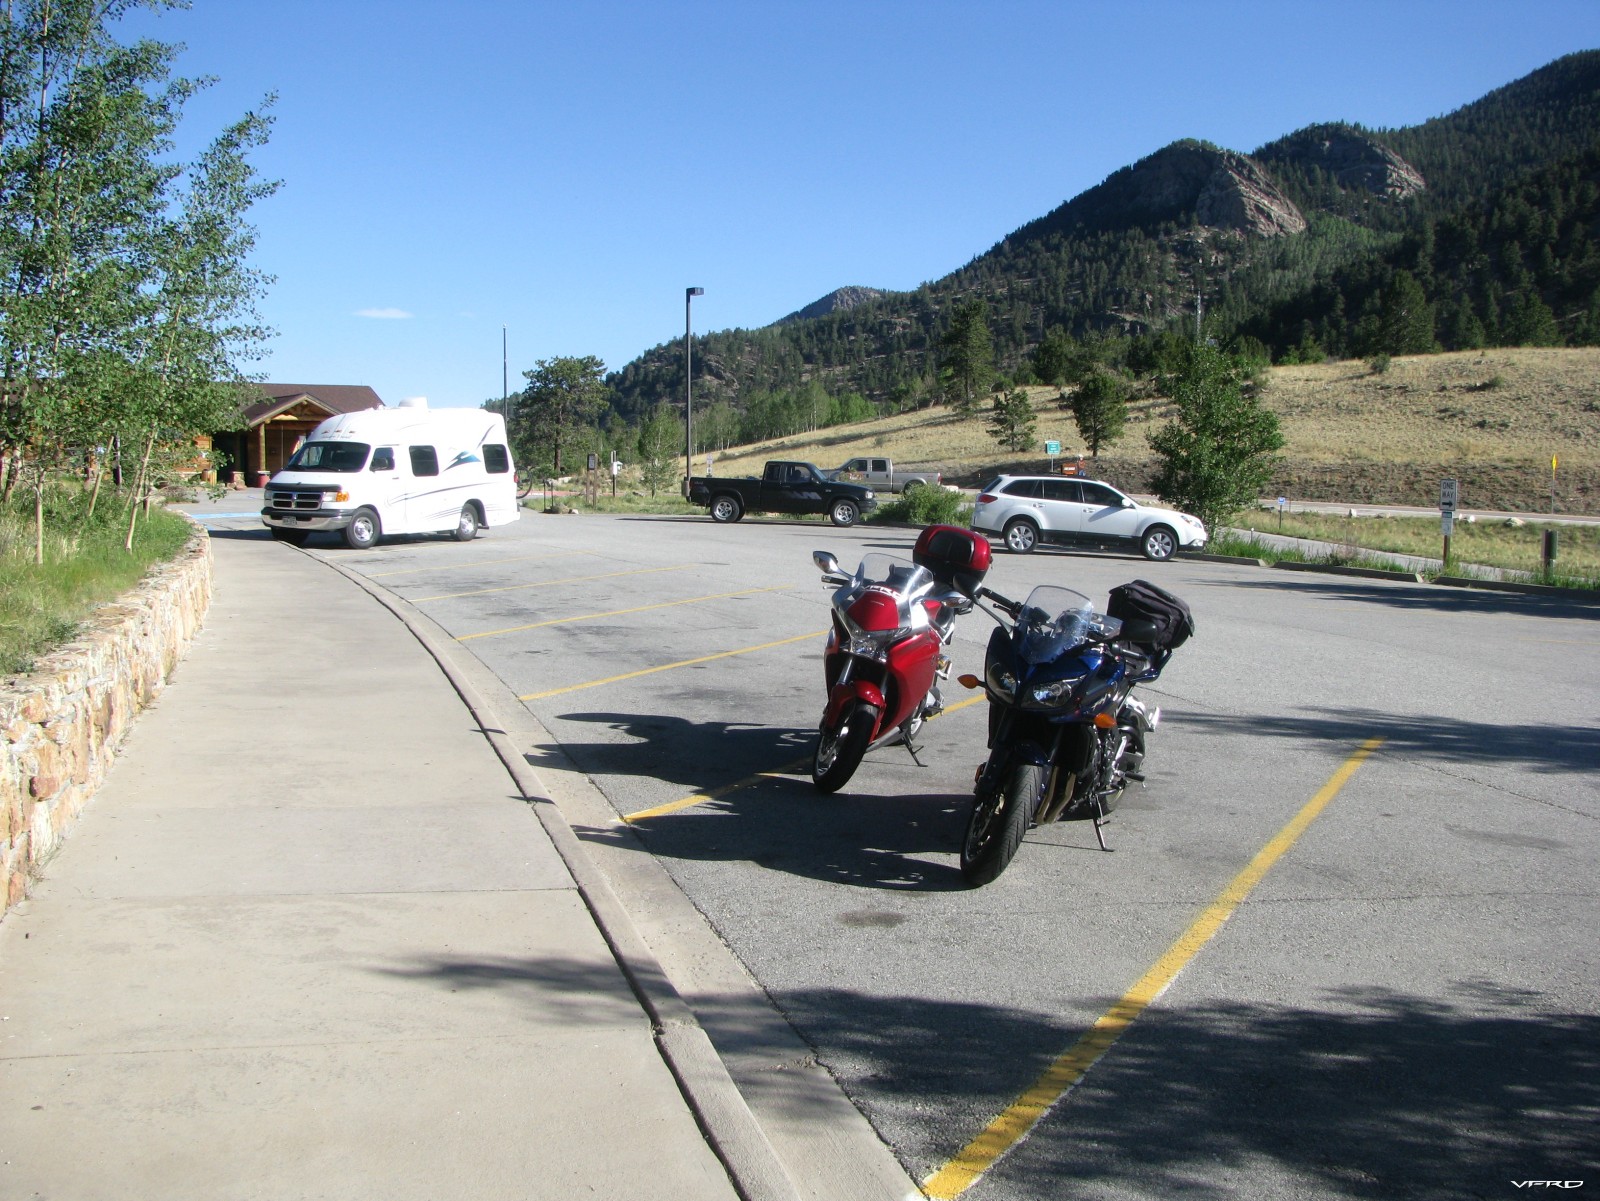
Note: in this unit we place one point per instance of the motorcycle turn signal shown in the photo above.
(969, 681)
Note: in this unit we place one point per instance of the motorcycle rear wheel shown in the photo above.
(998, 823)
(840, 750)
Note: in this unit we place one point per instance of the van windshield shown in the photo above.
(330, 456)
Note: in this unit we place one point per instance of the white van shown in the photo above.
(407, 470)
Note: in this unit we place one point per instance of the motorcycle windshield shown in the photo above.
(907, 579)
(1056, 620)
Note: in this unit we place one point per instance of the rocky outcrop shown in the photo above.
(63, 721)
(1352, 159)
(1185, 181)
(833, 302)
(1237, 195)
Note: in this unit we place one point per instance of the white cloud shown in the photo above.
(384, 314)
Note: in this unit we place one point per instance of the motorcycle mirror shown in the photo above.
(827, 562)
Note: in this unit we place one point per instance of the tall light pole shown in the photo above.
(505, 388)
(688, 389)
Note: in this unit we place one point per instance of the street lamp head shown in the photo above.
(694, 292)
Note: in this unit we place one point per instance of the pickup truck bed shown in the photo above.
(784, 487)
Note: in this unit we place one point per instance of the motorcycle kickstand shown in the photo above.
(1100, 819)
(910, 750)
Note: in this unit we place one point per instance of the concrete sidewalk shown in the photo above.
(311, 940)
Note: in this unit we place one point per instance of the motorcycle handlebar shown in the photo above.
(1009, 606)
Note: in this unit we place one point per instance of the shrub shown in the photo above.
(925, 506)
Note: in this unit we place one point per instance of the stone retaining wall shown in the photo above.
(62, 723)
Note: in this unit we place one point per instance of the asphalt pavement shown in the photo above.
(320, 935)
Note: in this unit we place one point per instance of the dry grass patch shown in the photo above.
(1491, 419)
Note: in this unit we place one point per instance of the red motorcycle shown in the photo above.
(885, 653)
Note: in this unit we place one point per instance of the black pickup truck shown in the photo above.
(783, 488)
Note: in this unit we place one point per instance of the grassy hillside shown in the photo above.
(1492, 419)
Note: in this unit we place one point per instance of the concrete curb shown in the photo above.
(1581, 595)
(1370, 573)
(720, 1109)
(1238, 560)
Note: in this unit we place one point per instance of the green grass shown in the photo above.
(1364, 541)
(85, 565)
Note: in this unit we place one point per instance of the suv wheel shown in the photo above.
(1021, 536)
(1159, 543)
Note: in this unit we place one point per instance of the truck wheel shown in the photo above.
(913, 486)
(467, 527)
(363, 530)
(844, 513)
(725, 508)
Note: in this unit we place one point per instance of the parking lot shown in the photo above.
(1405, 1004)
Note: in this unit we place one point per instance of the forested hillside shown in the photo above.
(1474, 229)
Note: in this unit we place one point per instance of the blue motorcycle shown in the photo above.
(1066, 733)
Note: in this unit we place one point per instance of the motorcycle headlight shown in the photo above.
(873, 644)
(1001, 682)
(1054, 695)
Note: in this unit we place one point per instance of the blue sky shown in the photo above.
(565, 170)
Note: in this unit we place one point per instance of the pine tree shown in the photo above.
(1100, 409)
(967, 356)
(1012, 422)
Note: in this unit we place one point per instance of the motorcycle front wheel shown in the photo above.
(839, 750)
(998, 823)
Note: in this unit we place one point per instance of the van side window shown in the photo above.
(496, 461)
(383, 459)
(424, 460)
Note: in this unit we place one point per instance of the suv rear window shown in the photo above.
(1026, 489)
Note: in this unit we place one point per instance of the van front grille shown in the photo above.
(293, 498)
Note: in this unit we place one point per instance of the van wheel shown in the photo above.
(363, 530)
(467, 528)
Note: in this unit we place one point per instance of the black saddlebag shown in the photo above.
(1142, 600)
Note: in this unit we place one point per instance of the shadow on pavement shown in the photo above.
(1437, 598)
(1573, 749)
(1367, 1093)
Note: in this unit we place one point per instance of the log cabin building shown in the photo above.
(284, 414)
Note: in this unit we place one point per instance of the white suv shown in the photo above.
(1028, 509)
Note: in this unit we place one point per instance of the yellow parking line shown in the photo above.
(556, 621)
(648, 671)
(788, 769)
(1018, 1121)
(566, 554)
(700, 798)
(575, 579)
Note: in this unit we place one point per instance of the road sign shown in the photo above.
(1052, 448)
(1447, 496)
(1283, 503)
(1447, 523)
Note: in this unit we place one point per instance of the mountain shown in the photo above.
(1491, 211)
(836, 301)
